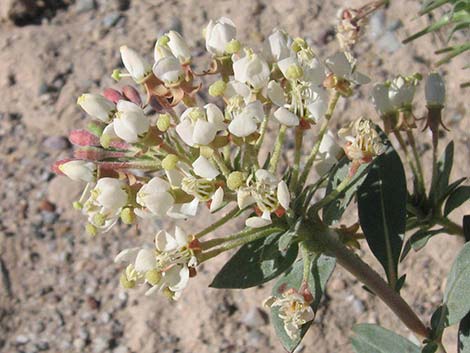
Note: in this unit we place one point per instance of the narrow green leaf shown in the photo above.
(335, 209)
(370, 338)
(456, 295)
(456, 199)
(444, 167)
(255, 263)
(431, 347)
(382, 210)
(463, 344)
(321, 269)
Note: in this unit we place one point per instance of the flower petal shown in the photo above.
(204, 168)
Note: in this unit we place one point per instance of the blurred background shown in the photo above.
(59, 288)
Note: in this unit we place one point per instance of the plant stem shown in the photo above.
(412, 142)
(451, 227)
(311, 158)
(405, 150)
(299, 134)
(233, 242)
(364, 273)
(435, 142)
(277, 149)
(233, 213)
(220, 163)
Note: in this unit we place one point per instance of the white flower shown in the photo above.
(178, 46)
(155, 198)
(218, 34)
(343, 68)
(199, 126)
(244, 198)
(288, 63)
(294, 310)
(286, 117)
(252, 70)
(130, 122)
(237, 89)
(168, 69)
(105, 203)
(276, 93)
(317, 104)
(97, 106)
(78, 170)
(328, 151)
(283, 194)
(401, 92)
(381, 100)
(435, 90)
(277, 46)
(246, 122)
(217, 200)
(135, 64)
(258, 222)
(203, 168)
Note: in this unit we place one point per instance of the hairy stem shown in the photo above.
(411, 140)
(364, 273)
(277, 149)
(233, 213)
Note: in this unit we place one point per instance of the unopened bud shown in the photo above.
(232, 47)
(163, 122)
(170, 161)
(132, 94)
(435, 90)
(153, 277)
(235, 180)
(217, 88)
(112, 95)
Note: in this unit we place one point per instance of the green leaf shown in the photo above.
(456, 199)
(418, 240)
(463, 344)
(431, 347)
(321, 269)
(382, 210)
(456, 295)
(370, 338)
(439, 321)
(335, 209)
(444, 167)
(255, 263)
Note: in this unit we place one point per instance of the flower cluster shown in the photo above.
(153, 151)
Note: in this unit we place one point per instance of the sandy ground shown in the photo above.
(59, 289)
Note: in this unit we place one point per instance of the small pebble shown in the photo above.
(85, 6)
(58, 143)
(111, 19)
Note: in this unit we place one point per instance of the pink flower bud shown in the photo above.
(112, 95)
(83, 138)
(132, 94)
(55, 167)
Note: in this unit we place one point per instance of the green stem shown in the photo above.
(233, 213)
(299, 134)
(435, 142)
(311, 158)
(452, 228)
(333, 194)
(220, 163)
(364, 273)
(263, 128)
(277, 149)
(405, 150)
(241, 239)
(419, 167)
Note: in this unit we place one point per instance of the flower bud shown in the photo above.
(178, 46)
(286, 117)
(135, 64)
(170, 161)
(79, 170)
(112, 95)
(217, 88)
(163, 122)
(96, 106)
(218, 34)
(132, 94)
(235, 180)
(125, 283)
(127, 216)
(277, 46)
(401, 92)
(435, 90)
(168, 69)
(130, 122)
